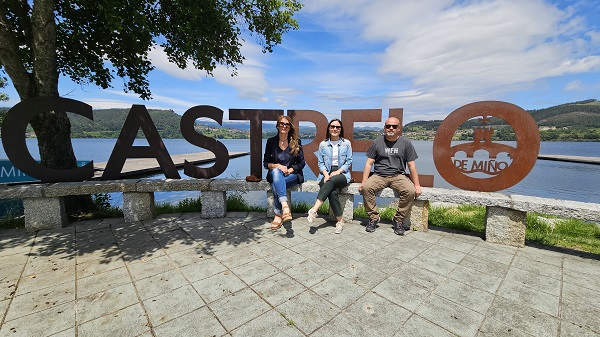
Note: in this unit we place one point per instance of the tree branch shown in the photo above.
(10, 58)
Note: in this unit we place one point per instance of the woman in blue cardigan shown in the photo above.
(335, 158)
(285, 160)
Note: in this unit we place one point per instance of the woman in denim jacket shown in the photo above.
(335, 158)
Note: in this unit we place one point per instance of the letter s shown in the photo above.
(189, 133)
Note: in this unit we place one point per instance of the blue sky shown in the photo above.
(428, 57)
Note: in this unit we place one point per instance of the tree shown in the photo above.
(40, 39)
(3, 96)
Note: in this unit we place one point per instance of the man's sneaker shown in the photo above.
(372, 225)
(406, 224)
(339, 226)
(312, 215)
(398, 227)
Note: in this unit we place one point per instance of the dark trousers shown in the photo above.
(330, 189)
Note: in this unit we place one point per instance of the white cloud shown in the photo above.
(448, 53)
(574, 86)
(160, 60)
(250, 81)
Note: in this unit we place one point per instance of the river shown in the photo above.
(550, 179)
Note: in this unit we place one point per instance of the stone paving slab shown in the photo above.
(181, 275)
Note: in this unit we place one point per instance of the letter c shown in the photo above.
(13, 138)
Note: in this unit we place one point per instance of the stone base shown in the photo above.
(214, 204)
(347, 202)
(138, 206)
(419, 215)
(505, 226)
(271, 202)
(44, 213)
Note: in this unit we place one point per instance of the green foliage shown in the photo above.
(103, 208)
(236, 203)
(90, 35)
(571, 134)
(188, 205)
(222, 133)
(3, 96)
(13, 210)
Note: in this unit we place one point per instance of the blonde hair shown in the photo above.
(292, 135)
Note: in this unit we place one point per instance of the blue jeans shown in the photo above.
(279, 186)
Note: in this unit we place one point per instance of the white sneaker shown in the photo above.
(339, 226)
(312, 215)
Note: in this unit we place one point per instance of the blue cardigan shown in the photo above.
(296, 162)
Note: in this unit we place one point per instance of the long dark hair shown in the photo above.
(292, 135)
(328, 135)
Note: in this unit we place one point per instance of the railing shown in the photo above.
(505, 214)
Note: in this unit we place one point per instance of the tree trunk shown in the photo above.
(53, 131)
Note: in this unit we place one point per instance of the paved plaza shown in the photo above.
(181, 275)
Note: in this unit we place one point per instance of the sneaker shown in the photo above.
(339, 226)
(312, 215)
(398, 227)
(372, 225)
(406, 224)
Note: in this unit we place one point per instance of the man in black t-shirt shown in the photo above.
(390, 154)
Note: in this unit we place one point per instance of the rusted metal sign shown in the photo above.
(482, 165)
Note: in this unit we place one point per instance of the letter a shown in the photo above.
(137, 118)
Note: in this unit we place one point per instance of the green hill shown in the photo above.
(107, 123)
(577, 114)
(577, 121)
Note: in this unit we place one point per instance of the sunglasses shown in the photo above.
(391, 126)
(282, 124)
(335, 127)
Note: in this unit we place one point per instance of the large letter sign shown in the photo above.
(13, 138)
(139, 118)
(482, 165)
(188, 120)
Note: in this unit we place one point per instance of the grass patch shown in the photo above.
(463, 217)
(11, 222)
(101, 209)
(566, 233)
(186, 205)
(236, 203)
(543, 229)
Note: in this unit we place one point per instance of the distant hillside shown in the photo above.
(570, 121)
(577, 114)
(584, 113)
(108, 123)
(576, 121)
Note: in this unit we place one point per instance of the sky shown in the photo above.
(428, 57)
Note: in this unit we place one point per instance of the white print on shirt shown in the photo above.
(391, 150)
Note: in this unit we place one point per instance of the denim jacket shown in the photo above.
(325, 154)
